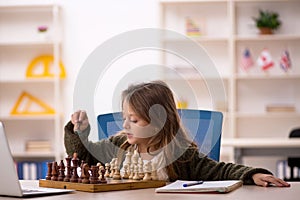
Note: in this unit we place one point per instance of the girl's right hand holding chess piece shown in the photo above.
(80, 121)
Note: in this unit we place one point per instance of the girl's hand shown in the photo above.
(268, 179)
(80, 121)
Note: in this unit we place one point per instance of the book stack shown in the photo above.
(280, 108)
(31, 170)
(38, 146)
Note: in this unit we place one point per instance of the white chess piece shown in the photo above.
(141, 168)
(136, 173)
(107, 166)
(126, 170)
(147, 170)
(112, 167)
(154, 172)
(116, 175)
(128, 158)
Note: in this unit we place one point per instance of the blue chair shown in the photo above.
(204, 126)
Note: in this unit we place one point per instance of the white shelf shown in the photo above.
(20, 43)
(261, 142)
(275, 115)
(255, 77)
(191, 1)
(29, 81)
(26, 118)
(30, 155)
(16, 43)
(213, 39)
(259, 38)
(248, 92)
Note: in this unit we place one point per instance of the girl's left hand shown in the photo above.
(267, 179)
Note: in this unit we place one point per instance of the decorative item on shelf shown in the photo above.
(28, 104)
(194, 27)
(246, 61)
(182, 104)
(285, 61)
(265, 60)
(43, 32)
(280, 108)
(45, 61)
(267, 21)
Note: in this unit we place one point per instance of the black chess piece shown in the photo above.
(61, 171)
(54, 172)
(74, 177)
(49, 172)
(68, 167)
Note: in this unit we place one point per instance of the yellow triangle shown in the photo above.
(45, 62)
(25, 103)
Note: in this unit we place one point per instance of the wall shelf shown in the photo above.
(20, 43)
(247, 92)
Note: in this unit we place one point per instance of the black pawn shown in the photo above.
(61, 175)
(75, 162)
(49, 172)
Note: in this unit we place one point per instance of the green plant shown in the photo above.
(267, 19)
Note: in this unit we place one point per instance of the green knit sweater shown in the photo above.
(196, 168)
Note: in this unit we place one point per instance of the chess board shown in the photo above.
(111, 185)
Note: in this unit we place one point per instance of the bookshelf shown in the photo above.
(229, 29)
(20, 43)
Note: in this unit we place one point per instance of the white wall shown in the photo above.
(87, 24)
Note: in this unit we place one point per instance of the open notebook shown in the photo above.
(9, 181)
(206, 186)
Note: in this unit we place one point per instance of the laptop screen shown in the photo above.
(9, 180)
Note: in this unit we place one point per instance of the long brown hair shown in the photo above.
(154, 102)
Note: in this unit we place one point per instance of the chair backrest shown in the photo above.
(205, 127)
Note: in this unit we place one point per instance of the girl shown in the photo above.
(152, 126)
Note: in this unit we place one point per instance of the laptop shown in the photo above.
(9, 181)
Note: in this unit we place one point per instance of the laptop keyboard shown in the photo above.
(30, 190)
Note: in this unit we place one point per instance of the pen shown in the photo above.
(192, 183)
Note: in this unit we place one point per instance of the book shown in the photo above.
(207, 186)
(280, 108)
(32, 170)
(38, 146)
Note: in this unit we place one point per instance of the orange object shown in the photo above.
(26, 103)
(45, 62)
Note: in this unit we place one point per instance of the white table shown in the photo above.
(244, 193)
(263, 147)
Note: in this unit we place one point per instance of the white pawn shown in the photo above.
(141, 168)
(107, 166)
(126, 169)
(136, 173)
(116, 175)
(99, 167)
(154, 172)
(131, 168)
(112, 167)
(147, 170)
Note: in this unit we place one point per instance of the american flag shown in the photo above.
(285, 61)
(265, 60)
(246, 61)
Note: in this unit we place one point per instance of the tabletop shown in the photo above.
(245, 192)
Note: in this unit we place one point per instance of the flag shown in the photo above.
(246, 61)
(265, 60)
(285, 61)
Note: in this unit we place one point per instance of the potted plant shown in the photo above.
(267, 21)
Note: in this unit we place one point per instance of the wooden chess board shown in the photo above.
(111, 185)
